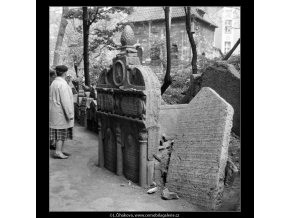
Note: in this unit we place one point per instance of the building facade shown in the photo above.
(149, 28)
(228, 31)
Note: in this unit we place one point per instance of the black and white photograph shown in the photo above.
(144, 108)
(146, 113)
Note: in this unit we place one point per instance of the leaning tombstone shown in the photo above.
(128, 103)
(225, 80)
(198, 160)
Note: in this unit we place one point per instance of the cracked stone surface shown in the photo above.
(200, 152)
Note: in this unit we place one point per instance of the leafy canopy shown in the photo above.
(100, 34)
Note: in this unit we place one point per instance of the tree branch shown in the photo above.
(228, 55)
(95, 16)
(195, 80)
(100, 52)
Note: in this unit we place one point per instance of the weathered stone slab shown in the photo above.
(199, 156)
(225, 80)
(169, 117)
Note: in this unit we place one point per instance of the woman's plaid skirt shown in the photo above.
(61, 134)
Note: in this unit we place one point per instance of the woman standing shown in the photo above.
(61, 111)
(52, 76)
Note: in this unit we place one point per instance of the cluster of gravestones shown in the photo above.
(190, 159)
(85, 105)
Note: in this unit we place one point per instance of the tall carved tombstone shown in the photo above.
(128, 105)
(198, 161)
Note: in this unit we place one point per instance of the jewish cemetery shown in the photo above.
(144, 109)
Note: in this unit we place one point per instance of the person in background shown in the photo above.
(61, 112)
(68, 78)
(52, 76)
(76, 84)
(69, 82)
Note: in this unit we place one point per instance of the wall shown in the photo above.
(168, 119)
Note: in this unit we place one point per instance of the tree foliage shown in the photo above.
(100, 36)
(61, 32)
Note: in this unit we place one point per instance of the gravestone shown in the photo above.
(200, 151)
(225, 80)
(85, 103)
(140, 53)
(91, 105)
(169, 118)
(128, 104)
(93, 116)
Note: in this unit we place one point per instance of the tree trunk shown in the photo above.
(228, 55)
(61, 32)
(76, 69)
(193, 89)
(191, 39)
(86, 31)
(77, 64)
(195, 79)
(167, 78)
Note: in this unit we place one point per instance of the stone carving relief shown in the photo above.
(127, 94)
(117, 108)
(110, 150)
(135, 78)
(105, 102)
(131, 160)
(119, 72)
(132, 106)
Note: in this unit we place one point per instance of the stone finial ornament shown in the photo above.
(127, 37)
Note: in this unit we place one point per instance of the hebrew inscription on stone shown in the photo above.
(132, 106)
(198, 161)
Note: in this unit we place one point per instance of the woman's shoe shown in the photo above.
(66, 154)
(60, 156)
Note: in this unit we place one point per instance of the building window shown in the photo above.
(174, 48)
(138, 30)
(154, 29)
(200, 12)
(228, 12)
(228, 26)
(227, 47)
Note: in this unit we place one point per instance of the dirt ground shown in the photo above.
(77, 184)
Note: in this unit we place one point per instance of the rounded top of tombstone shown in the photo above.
(127, 37)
